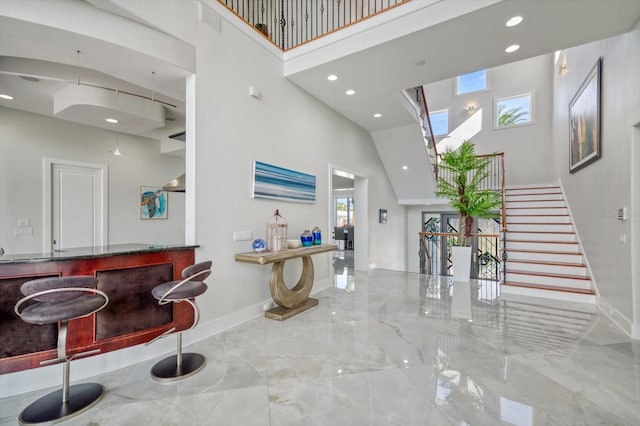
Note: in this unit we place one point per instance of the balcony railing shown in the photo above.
(290, 23)
(435, 254)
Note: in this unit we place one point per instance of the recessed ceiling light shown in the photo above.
(514, 21)
(332, 77)
(111, 120)
(350, 92)
(377, 115)
(405, 167)
(3, 96)
(512, 48)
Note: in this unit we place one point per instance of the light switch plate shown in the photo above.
(242, 236)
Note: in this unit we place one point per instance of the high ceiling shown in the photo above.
(475, 40)
(421, 42)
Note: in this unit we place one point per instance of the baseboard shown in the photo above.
(624, 323)
(44, 377)
(635, 331)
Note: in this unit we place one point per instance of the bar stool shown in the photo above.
(60, 300)
(181, 365)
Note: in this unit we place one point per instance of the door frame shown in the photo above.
(635, 230)
(361, 197)
(47, 202)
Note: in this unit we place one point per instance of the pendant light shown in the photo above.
(117, 151)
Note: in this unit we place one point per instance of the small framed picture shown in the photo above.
(153, 203)
(382, 216)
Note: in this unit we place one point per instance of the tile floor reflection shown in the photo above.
(390, 348)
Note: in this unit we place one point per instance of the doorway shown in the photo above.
(75, 205)
(348, 213)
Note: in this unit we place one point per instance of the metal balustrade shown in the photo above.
(290, 23)
(417, 97)
(436, 245)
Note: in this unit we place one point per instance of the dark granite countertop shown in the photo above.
(90, 252)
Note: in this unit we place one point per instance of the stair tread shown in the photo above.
(537, 207)
(540, 232)
(548, 274)
(544, 262)
(537, 193)
(544, 252)
(538, 223)
(533, 200)
(521, 188)
(538, 215)
(541, 241)
(548, 287)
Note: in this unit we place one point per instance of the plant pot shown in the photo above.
(461, 257)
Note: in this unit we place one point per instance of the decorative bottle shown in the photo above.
(306, 238)
(317, 236)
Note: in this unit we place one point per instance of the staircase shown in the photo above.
(544, 256)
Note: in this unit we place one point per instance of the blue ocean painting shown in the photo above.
(278, 183)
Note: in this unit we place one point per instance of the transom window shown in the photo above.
(472, 82)
(514, 111)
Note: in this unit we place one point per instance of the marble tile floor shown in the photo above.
(389, 348)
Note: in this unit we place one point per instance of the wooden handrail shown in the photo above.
(503, 221)
(430, 146)
(428, 118)
(454, 234)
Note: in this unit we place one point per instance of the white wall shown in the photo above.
(285, 127)
(596, 192)
(527, 147)
(26, 138)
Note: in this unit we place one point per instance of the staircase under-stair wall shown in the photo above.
(544, 256)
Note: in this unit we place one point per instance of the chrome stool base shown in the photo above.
(168, 369)
(50, 407)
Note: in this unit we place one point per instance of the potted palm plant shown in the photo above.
(460, 178)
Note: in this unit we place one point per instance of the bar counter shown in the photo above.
(125, 272)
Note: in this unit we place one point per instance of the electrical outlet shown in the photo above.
(242, 236)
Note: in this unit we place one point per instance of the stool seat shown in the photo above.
(188, 290)
(48, 313)
(181, 366)
(60, 300)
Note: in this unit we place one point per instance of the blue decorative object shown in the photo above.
(317, 236)
(306, 238)
(258, 245)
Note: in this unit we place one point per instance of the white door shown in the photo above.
(78, 205)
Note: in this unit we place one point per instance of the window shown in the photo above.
(439, 122)
(471, 82)
(344, 211)
(514, 111)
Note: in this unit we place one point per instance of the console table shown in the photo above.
(290, 301)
